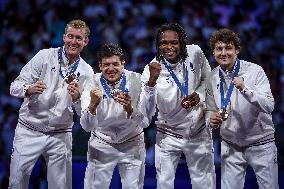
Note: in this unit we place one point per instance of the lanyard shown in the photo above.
(182, 87)
(73, 67)
(225, 100)
(107, 89)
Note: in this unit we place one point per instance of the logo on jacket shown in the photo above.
(53, 69)
(191, 67)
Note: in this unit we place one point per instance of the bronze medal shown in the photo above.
(70, 77)
(115, 92)
(224, 114)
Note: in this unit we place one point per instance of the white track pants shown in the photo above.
(103, 157)
(56, 149)
(199, 154)
(262, 159)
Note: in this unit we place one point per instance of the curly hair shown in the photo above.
(183, 39)
(78, 24)
(226, 36)
(108, 50)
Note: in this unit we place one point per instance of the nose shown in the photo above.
(223, 51)
(73, 40)
(169, 46)
(111, 66)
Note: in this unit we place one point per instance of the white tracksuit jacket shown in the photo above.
(50, 111)
(250, 119)
(110, 122)
(172, 115)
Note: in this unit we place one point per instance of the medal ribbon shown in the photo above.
(122, 86)
(61, 62)
(225, 100)
(182, 87)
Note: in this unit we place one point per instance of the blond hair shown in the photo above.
(78, 24)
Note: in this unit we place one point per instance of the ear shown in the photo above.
(86, 41)
(63, 37)
(123, 63)
(100, 66)
(237, 51)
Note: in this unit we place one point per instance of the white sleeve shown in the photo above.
(205, 70)
(148, 98)
(260, 94)
(146, 106)
(210, 103)
(29, 74)
(87, 120)
(84, 82)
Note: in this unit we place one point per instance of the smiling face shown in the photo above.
(75, 39)
(169, 46)
(225, 54)
(111, 68)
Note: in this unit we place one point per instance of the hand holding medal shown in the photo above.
(125, 100)
(215, 120)
(190, 101)
(74, 90)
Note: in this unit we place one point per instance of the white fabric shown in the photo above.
(184, 130)
(56, 149)
(198, 151)
(116, 138)
(169, 97)
(262, 159)
(250, 118)
(103, 157)
(110, 121)
(51, 110)
(47, 120)
(249, 130)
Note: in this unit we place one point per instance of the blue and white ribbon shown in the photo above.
(182, 87)
(225, 99)
(73, 67)
(107, 89)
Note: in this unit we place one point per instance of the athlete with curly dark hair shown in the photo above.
(178, 74)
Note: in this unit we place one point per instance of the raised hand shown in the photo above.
(239, 83)
(96, 97)
(74, 90)
(155, 70)
(36, 88)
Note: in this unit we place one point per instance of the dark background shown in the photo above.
(30, 25)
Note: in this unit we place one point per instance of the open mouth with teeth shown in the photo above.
(72, 48)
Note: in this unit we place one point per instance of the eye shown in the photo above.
(175, 42)
(79, 38)
(218, 49)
